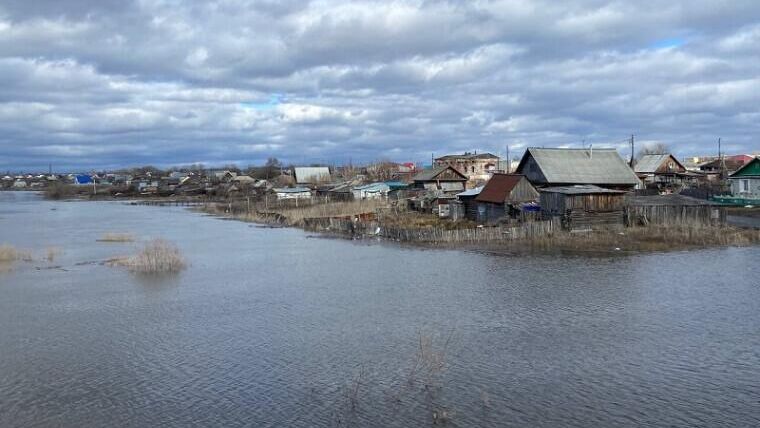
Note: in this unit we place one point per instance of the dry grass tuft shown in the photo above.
(116, 237)
(51, 253)
(9, 254)
(157, 257)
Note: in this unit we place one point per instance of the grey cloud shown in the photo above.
(90, 84)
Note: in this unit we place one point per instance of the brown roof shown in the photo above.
(498, 188)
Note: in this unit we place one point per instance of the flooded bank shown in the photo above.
(268, 328)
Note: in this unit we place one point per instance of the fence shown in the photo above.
(675, 215)
(482, 234)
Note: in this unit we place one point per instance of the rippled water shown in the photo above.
(273, 327)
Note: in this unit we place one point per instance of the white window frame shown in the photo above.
(744, 186)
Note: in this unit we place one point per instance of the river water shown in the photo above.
(276, 327)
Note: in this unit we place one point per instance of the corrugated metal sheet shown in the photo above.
(498, 188)
(649, 163)
(582, 166)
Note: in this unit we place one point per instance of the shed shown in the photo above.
(568, 167)
(584, 206)
(371, 191)
(502, 195)
(293, 193)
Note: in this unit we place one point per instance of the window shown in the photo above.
(744, 186)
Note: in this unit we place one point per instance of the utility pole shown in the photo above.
(509, 162)
(632, 151)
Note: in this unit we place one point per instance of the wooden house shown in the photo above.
(664, 172)
(570, 167)
(502, 196)
(745, 182)
(440, 178)
(584, 206)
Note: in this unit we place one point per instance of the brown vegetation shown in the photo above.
(51, 253)
(157, 257)
(116, 237)
(9, 254)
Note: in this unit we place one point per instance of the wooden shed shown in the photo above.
(584, 205)
(502, 196)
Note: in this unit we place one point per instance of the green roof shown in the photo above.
(750, 169)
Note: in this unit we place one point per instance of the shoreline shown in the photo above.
(607, 242)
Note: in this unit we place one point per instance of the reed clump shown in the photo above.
(9, 254)
(156, 257)
(116, 237)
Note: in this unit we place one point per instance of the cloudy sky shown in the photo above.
(107, 83)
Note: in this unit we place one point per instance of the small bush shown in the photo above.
(157, 257)
(116, 237)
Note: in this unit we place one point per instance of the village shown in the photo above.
(469, 197)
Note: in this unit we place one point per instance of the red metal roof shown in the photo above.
(498, 188)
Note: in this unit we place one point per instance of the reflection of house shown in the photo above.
(312, 175)
(293, 193)
(663, 171)
(473, 165)
(502, 196)
(745, 182)
(440, 178)
(567, 167)
(584, 206)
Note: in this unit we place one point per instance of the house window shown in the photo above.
(744, 186)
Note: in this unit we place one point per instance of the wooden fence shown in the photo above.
(675, 215)
(481, 234)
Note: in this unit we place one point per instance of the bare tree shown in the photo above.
(653, 149)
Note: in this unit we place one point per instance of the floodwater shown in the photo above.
(274, 327)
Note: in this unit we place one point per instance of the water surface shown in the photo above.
(270, 327)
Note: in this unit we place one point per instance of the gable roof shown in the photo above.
(649, 164)
(498, 188)
(750, 169)
(431, 173)
(581, 166)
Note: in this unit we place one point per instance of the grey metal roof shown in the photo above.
(583, 166)
(292, 190)
(432, 173)
(471, 192)
(587, 189)
(650, 163)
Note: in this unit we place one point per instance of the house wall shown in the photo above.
(522, 192)
(558, 203)
(754, 187)
(532, 171)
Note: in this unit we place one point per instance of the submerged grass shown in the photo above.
(156, 257)
(116, 237)
(9, 254)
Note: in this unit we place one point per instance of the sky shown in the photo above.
(113, 83)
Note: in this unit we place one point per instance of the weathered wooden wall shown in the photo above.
(675, 215)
